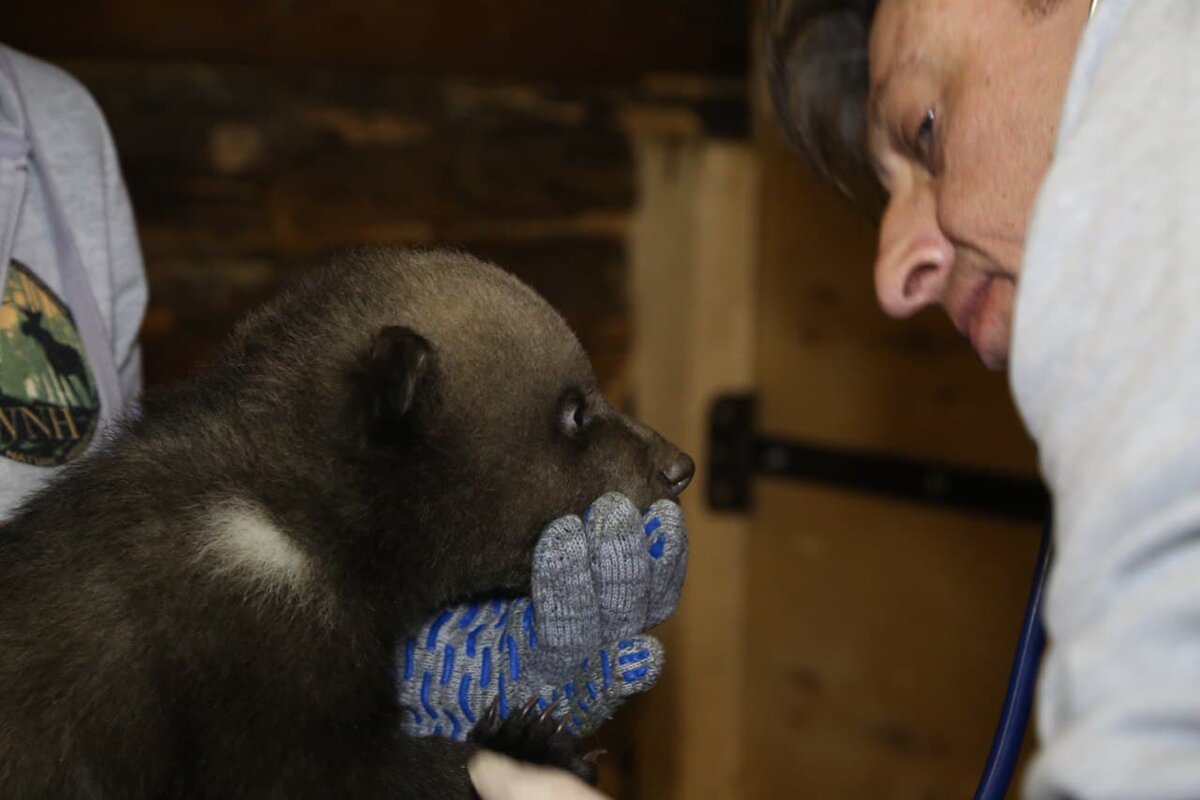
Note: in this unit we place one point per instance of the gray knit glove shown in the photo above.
(575, 647)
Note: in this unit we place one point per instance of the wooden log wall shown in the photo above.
(255, 138)
(597, 42)
(240, 176)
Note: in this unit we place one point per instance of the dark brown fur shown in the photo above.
(397, 418)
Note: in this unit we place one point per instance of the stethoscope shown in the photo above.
(1018, 700)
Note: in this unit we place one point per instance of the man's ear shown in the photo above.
(394, 372)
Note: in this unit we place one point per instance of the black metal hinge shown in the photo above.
(737, 454)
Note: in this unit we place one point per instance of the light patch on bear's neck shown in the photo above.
(245, 544)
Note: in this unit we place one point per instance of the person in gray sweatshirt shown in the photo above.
(74, 288)
(1041, 166)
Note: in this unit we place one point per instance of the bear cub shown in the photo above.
(209, 605)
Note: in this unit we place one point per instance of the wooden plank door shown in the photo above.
(879, 632)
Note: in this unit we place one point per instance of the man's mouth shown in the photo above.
(970, 316)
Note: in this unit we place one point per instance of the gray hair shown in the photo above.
(816, 69)
(817, 73)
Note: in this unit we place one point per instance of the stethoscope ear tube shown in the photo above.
(1018, 700)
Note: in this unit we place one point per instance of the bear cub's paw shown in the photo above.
(534, 737)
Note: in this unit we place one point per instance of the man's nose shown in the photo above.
(915, 257)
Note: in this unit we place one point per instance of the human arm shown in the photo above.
(1105, 369)
(80, 158)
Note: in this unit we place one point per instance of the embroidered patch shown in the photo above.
(49, 406)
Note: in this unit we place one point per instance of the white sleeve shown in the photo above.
(129, 295)
(1106, 371)
(498, 777)
(80, 151)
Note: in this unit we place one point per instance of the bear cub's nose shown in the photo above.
(678, 474)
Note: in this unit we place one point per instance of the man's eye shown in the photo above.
(923, 141)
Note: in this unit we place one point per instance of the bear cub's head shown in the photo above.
(467, 414)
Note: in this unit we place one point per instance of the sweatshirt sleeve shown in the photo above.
(83, 158)
(129, 295)
(1106, 372)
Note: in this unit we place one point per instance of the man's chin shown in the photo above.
(991, 329)
(994, 362)
(991, 345)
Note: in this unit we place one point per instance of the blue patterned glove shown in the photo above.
(575, 646)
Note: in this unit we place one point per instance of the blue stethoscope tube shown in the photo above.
(1014, 716)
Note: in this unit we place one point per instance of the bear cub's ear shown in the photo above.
(392, 372)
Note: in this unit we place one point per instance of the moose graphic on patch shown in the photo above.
(49, 406)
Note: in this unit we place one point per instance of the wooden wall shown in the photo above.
(242, 175)
(601, 41)
(257, 137)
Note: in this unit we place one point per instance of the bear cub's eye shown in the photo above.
(573, 415)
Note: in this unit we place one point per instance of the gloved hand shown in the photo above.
(598, 583)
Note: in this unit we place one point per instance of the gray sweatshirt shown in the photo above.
(1106, 372)
(72, 287)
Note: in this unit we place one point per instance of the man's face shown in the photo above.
(965, 103)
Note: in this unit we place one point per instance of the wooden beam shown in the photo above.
(304, 160)
(597, 41)
(693, 272)
(242, 176)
